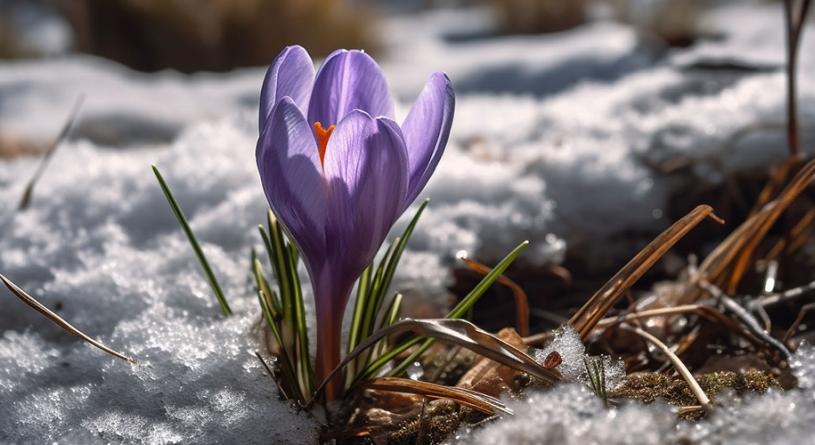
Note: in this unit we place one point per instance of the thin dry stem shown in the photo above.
(677, 363)
(736, 251)
(463, 396)
(28, 193)
(649, 313)
(59, 321)
(598, 305)
(805, 309)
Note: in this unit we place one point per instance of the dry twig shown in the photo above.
(59, 321)
(598, 305)
(677, 363)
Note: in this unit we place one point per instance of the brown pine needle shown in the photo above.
(729, 261)
(598, 305)
(796, 238)
(59, 321)
(474, 399)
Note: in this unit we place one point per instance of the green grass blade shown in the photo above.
(305, 373)
(393, 259)
(294, 254)
(363, 287)
(264, 288)
(284, 257)
(289, 380)
(182, 220)
(277, 255)
(390, 317)
(457, 312)
(467, 302)
(386, 271)
(355, 331)
(371, 305)
(392, 314)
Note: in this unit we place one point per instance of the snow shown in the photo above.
(572, 351)
(121, 107)
(572, 414)
(552, 142)
(117, 264)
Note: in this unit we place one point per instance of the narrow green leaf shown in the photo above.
(457, 312)
(277, 249)
(305, 374)
(182, 220)
(264, 288)
(371, 305)
(370, 310)
(294, 254)
(401, 243)
(363, 286)
(284, 257)
(467, 302)
(392, 314)
(288, 382)
(371, 292)
(390, 317)
(284, 307)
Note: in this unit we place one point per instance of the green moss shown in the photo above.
(647, 387)
(441, 419)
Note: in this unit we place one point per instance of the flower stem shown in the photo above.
(331, 296)
(329, 329)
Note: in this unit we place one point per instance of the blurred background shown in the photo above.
(220, 35)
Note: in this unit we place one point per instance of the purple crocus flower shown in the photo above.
(338, 170)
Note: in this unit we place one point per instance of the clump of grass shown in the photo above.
(372, 324)
(596, 371)
(539, 16)
(214, 35)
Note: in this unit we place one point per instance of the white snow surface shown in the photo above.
(572, 351)
(548, 144)
(572, 414)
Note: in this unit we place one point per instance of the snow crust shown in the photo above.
(572, 351)
(101, 245)
(554, 141)
(572, 414)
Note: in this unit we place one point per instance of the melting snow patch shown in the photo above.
(572, 414)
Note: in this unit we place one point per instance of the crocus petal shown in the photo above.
(290, 74)
(290, 171)
(426, 129)
(365, 166)
(348, 80)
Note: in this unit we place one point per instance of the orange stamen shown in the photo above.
(322, 137)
